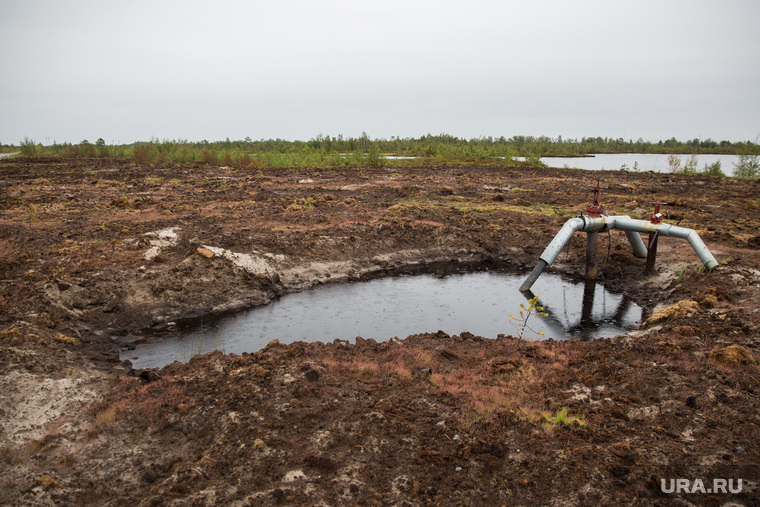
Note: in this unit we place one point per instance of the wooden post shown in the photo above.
(592, 246)
(652, 252)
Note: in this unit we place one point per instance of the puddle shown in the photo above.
(478, 302)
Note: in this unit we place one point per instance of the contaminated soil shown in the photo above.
(95, 251)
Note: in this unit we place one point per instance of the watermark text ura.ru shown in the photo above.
(716, 486)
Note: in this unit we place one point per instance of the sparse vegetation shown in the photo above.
(526, 311)
(691, 165)
(748, 166)
(32, 216)
(674, 163)
(27, 147)
(681, 271)
(106, 418)
(713, 169)
(562, 417)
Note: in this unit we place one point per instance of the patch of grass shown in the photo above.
(477, 208)
(485, 394)
(354, 368)
(681, 271)
(17, 336)
(733, 356)
(305, 204)
(107, 417)
(399, 371)
(32, 216)
(485, 391)
(153, 180)
(561, 417)
(68, 340)
(11, 455)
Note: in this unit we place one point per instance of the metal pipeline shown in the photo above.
(639, 248)
(554, 248)
(630, 226)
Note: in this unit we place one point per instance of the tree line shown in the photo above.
(326, 150)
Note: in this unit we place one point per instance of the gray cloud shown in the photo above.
(131, 70)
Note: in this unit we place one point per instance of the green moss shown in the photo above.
(482, 208)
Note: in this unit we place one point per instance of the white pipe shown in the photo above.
(553, 249)
(639, 248)
(624, 223)
(563, 236)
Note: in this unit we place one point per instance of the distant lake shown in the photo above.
(656, 162)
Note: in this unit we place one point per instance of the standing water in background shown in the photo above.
(656, 162)
(477, 302)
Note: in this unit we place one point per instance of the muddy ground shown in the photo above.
(92, 251)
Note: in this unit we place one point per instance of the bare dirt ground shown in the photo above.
(93, 250)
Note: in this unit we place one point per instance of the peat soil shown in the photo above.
(93, 251)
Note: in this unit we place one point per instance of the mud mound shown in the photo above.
(676, 311)
(733, 355)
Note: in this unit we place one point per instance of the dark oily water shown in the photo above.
(477, 302)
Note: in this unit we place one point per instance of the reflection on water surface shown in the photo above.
(478, 302)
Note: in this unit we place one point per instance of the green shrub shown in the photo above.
(690, 167)
(674, 163)
(28, 147)
(374, 159)
(713, 169)
(748, 166)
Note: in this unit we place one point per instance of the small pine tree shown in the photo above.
(526, 310)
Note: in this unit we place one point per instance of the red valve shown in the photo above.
(596, 210)
(657, 217)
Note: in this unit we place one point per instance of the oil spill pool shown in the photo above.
(478, 302)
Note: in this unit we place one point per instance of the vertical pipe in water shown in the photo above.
(592, 246)
(587, 308)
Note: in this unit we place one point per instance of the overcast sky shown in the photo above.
(131, 70)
